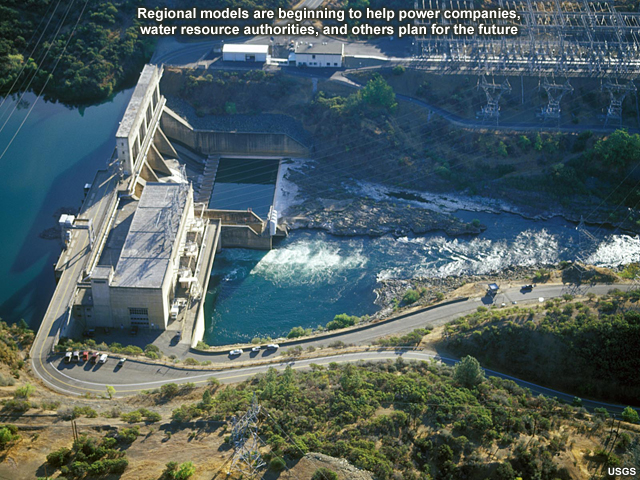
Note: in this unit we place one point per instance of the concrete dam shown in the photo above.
(140, 250)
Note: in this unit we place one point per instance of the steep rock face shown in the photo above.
(368, 217)
(312, 461)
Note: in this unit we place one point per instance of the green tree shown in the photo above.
(378, 93)
(324, 474)
(468, 372)
(619, 150)
(110, 391)
(630, 415)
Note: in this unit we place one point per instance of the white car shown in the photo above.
(67, 357)
(235, 352)
(255, 349)
(273, 346)
(103, 358)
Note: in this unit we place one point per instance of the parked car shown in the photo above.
(89, 333)
(527, 287)
(85, 356)
(134, 330)
(255, 349)
(235, 352)
(273, 346)
(95, 356)
(67, 357)
(103, 358)
(121, 362)
(75, 357)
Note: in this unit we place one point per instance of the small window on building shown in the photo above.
(313, 56)
(139, 316)
(335, 64)
(156, 98)
(142, 132)
(149, 114)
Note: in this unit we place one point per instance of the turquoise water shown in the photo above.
(312, 276)
(55, 153)
(243, 183)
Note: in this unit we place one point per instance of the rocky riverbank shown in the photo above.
(364, 216)
(390, 292)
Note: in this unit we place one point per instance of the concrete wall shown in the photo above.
(123, 298)
(320, 60)
(242, 236)
(233, 217)
(229, 143)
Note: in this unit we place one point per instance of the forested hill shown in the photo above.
(98, 58)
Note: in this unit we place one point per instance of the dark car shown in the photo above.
(94, 357)
(134, 330)
(527, 287)
(89, 333)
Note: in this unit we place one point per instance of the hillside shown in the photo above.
(588, 348)
(41, 48)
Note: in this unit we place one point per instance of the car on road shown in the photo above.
(121, 362)
(103, 358)
(94, 357)
(235, 353)
(273, 346)
(67, 357)
(75, 357)
(255, 349)
(527, 287)
(85, 356)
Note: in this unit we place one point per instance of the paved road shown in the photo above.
(135, 376)
(82, 378)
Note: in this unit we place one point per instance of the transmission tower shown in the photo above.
(494, 92)
(617, 94)
(555, 92)
(246, 443)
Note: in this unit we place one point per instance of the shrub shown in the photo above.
(324, 474)
(398, 70)
(8, 433)
(411, 296)
(128, 435)
(296, 332)
(191, 361)
(169, 389)
(132, 417)
(184, 471)
(59, 457)
(630, 415)
(17, 406)
(25, 391)
(277, 464)
(341, 321)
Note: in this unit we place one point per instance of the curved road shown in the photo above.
(135, 376)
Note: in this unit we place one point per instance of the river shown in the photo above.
(312, 276)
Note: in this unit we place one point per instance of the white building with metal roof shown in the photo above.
(325, 55)
(245, 52)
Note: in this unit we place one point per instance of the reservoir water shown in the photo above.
(54, 154)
